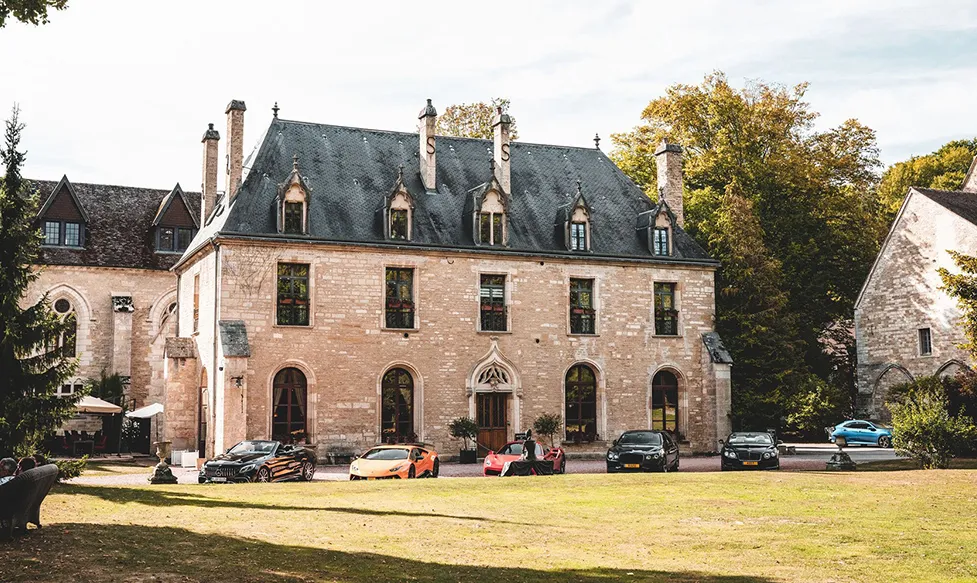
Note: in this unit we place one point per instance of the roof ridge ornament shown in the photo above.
(295, 162)
(597, 141)
(274, 110)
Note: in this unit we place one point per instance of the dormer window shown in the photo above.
(399, 211)
(574, 221)
(62, 218)
(661, 243)
(293, 203)
(174, 223)
(398, 224)
(62, 234)
(491, 220)
(578, 236)
(173, 239)
(293, 217)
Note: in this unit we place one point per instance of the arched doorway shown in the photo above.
(397, 407)
(664, 402)
(580, 398)
(288, 421)
(892, 375)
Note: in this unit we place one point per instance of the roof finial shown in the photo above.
(597, 141)
(274, 110)
(295, 162)
(492, 164)
(578, 186)
(400, 173)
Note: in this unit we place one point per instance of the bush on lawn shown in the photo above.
(68, 469)
(548, 425)
(924, 427)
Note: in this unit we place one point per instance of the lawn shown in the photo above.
(695, 527)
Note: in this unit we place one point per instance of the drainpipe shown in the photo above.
(214, 368)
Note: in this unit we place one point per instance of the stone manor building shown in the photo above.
(358, 286)
(905, 325)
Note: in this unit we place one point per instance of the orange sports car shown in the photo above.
(403, 461)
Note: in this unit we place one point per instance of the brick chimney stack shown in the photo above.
(500, 125)
(235, 146)
(970, 181)
(668, 158)
(429, 168)
(208, 188)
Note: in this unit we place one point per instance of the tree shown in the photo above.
(31, 359)
(29, 11)
(943, 169)
(474, 120)
(963, 287)
(814, 198)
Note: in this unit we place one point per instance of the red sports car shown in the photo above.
(512, 451)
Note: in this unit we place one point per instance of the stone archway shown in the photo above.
(494, 399)
(951, 368)
(891, 375)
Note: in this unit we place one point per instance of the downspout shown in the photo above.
(215, 365)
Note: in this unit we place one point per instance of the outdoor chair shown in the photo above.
(100, 444)
(20, 498)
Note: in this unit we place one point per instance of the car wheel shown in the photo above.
(411, 473)
(885, 441)
(563, 466)
(308, 471)
(437, 469)
(262, 475)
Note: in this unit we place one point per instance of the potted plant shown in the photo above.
(548, 425)
(465, 428)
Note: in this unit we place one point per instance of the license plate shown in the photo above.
(632, 465)
(751, 463)
(371, 478)
(218, 479)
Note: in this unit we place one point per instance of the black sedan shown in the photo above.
(749, 451)
(643, 451)
(260, 461)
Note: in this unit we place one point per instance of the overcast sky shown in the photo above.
(120, 92)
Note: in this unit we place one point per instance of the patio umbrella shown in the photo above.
(146, 412)
(90, 404)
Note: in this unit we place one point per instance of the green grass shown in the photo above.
(705, 527)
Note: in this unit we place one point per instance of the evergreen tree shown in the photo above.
(32, 363)
(963, 287)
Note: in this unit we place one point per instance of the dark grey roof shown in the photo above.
(959, 202)
(234, 338)
(351, 170)
(118, 231)
(180, 348)
(717, 350)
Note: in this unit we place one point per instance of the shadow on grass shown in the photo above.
(908, 464)
(98, 553)
(154, 497)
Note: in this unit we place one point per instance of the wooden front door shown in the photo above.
(491, 410)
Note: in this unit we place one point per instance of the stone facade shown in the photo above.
(902, 297)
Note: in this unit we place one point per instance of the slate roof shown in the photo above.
(959, 202)
(234, 338)
(351, 170)
(119, 231)
(717, 350)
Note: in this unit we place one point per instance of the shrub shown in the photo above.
(923, 427)
(548, 425)
(464, 428)
(68, 469)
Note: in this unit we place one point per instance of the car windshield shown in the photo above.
(640, 438)
(750, 439)
(254, 446)
(386, 453)
(516, 449)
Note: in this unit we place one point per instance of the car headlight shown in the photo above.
(612, 456)
(246, 469)
(354, 468)
(487, 461)
(769, 454)
(397, 469)
(653, 456)
(730, 454)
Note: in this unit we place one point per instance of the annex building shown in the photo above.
(905, 325)
(356, 286)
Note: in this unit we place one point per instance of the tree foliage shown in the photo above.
(464, 428)
(29, 11)
(925, 425)
(32, 363)
(963, 287)
(944, 169)
(814, 232)
(474, 120)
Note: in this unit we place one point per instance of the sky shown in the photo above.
(120, 92)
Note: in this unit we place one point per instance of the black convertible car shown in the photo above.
(643, 451)
(749, 451)
(260, 461)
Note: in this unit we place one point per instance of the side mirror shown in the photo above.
(722, 442)
(614, 443)
(780, 442)
(491, 452)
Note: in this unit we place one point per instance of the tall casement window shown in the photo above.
(660, 244)
(581, 404)
(925, 342)
(491, 297)
(400, 297)
(582, 313)
(578, 236)
(666, 314)
(398, 224)
(63, 234)
(173, 239)
(68, 342)
(664, 402)
(288, 420)
(294, 216)
(490, 228)
(196, 303)
(397, 407)
(293, 294)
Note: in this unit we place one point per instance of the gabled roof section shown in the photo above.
(294, 178)
(959, 202)
(478, 193)
(64, 184)
(399, 187)
(164, 205)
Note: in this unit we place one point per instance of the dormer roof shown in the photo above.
(64, 188)
(178, 195)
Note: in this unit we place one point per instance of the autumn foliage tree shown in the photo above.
(944, 169)
(473, 120)
(29, 11)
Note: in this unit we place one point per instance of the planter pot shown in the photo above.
(468, 456)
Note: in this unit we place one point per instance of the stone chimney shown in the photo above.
(208, 188)
(668, 158)
(429, 169)
(970, 182)
(500, 125)
(235, 146)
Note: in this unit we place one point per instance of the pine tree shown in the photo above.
(32, 364)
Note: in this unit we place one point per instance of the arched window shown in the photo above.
(664, 402)
(289, 410)
(397, 407)
(69, 338)
(581, 403)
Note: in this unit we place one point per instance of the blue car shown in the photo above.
(861, 432)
